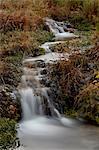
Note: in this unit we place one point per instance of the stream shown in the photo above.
(42, 126)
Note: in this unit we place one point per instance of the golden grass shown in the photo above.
(87, 102)
(19, 20)
(23, 15)
(28, 14)
(61, 9)
(38, 7)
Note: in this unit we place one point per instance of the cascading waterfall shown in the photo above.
(42, 128)
(32, 88)
(28, 102)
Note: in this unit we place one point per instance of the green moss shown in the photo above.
(97, 26)
(42, 51)
(97, 120)
(7, 134)
(70, 112)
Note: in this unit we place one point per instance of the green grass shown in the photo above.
(7, 134)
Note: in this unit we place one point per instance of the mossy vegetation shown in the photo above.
(7, 134)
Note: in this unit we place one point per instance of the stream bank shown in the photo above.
(49, 59)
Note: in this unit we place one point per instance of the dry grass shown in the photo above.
(21, 25)
(68, 76)
(91, 10)
(77, 84)
(27, 14)
(87, 102)
(36, 6)
(19, 20)
(71, 9)
(24, 15)
(22, 41)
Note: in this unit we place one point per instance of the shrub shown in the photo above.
(19, 21)
(75, 84)
(68, 80)
(81, 22)
(84, 13)
(87, 102)
(90, 9)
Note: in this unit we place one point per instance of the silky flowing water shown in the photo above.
(42, 126)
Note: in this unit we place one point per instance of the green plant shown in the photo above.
(80, 22)
(7, 134)
(22, 42)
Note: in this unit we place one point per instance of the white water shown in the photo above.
(28, 103)
(38, 130)
(31, 76)
(47, 45)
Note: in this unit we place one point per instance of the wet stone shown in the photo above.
(40, 64)
(48, 83)
(43, 72)
(43, 81)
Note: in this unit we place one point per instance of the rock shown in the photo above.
(12, 109)
(48, 82)
(88, 78)
(91, 65)
(43, 72)
(40, 63)
(45, 82)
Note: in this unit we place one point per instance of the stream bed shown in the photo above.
(44, 128)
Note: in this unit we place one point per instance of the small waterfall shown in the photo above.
(29, 103)
(32, 97)
(54, 111)
(31, 91)
(59, 28)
